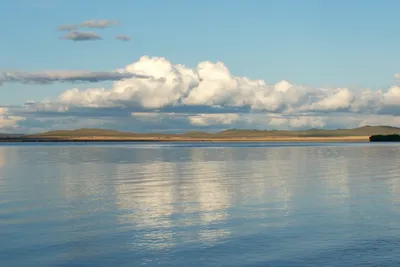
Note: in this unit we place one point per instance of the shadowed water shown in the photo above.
(200, 205)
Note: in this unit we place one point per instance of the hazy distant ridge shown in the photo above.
(5, 135)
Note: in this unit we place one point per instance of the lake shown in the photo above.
(199, 204)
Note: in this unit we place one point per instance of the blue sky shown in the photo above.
(332, 44)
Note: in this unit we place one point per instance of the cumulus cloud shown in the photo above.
(79, 36)
(212, 87)
(213, 119)
(71, 76)
(7, 121)
(338, 99)
(123, 38)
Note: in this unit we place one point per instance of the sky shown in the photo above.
(174, 66)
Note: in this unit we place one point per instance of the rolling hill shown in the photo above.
(232, 133)
(361, 131)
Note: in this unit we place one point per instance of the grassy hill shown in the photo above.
(361, 131)
(233, 133)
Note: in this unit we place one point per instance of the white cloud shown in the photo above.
(333, 100)
(296, 122)
(212, 85)
(392, 96)
(282, 86)
(145, 115)
(213, 119)
(8, 121)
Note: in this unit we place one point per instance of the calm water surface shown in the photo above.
(200, 205)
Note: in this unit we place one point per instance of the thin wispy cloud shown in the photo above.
(93, 24)
(123, 38)
(67, 76)
(81, 36)
(75, 34)
(99, 24)
(67, 27)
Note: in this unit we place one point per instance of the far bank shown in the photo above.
(50, 139)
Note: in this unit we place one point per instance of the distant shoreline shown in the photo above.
(361, 134)
(184, 139)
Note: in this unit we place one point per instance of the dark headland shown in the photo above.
(361, 134)
(385, 138)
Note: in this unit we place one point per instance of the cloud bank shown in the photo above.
(155, 94)
(213, 87)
